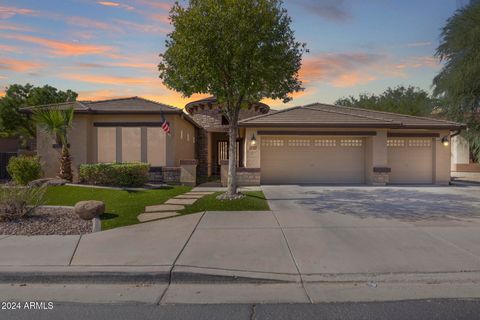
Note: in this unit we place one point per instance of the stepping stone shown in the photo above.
(188, 196)
(181, 201)
(164, 208)
(144, 217)
(203, 193)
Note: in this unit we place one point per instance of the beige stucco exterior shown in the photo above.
(83, 139)
(432, 161)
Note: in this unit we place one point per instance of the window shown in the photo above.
(298, 143)
(106, 145)
(131, 144)
(351, 142)
(272, 143)
(325, 143)
(419, 142)
(224, 121)
(156, 148)
(395, 143)
(181, 134)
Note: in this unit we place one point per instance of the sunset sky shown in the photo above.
(107, 49)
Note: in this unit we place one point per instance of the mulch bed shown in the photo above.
(47, 221)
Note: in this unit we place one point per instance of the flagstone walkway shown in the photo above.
(171, 207)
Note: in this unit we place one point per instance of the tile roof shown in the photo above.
(120, 105)
(130, 105)
(323, 115)
(213, 101)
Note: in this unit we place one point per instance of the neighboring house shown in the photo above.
(310, 144)
(462, 157)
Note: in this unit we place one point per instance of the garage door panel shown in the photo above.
(310, 160)
(411, 161)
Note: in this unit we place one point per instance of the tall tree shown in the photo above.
(240, 51)
(406, 100)
(57, 122)
(459, 80)
(14, 123)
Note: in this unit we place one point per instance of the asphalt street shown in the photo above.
(419, 309)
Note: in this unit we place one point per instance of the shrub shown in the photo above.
(18, 201)
(24, 169)
(115, 174)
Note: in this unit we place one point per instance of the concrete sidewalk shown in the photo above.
(295, 243)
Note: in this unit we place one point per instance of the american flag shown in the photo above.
(165, 126)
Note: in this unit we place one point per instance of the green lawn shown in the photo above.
(122, 207)
(253, 201)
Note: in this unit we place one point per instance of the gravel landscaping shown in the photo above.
(47, 221)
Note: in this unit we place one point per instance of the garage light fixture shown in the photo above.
(253, 141)
(445, 141)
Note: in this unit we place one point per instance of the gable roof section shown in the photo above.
(323, 115)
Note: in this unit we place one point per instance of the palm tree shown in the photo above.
(57, 122)
(458, 83)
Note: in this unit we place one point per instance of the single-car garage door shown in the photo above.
(289, 160)
(411, 160)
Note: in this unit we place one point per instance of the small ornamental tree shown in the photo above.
(240, 51)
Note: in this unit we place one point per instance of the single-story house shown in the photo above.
(312, 144)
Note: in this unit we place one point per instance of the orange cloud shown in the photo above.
(61, 48)
(19, 65)
(339, 69)
(2, 94)
(90, 23)
(156, 4)
(14, 27)
(111, 80)
(352, 79)
(162, 17)
(115, 4)
(7, 48)
(8, 12)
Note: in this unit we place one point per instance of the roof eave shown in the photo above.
(350, 125)
(319, 125)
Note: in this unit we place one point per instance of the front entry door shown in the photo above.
(222, 153)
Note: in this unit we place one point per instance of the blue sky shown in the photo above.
(109, 49)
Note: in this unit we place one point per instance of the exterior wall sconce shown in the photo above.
(253, 141)
(445, 141)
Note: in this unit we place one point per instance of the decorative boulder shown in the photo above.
(87, 210)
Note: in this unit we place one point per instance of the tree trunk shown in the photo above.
(232, 159)
(65, 165)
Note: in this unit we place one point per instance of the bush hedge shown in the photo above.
(115, 174)
(23, 169)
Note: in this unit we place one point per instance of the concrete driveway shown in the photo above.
(358, 230)
(312, 233)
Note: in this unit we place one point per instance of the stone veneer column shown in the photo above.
(377, 159)
(188, 172)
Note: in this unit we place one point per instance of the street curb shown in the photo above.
(90, 277)
(147, 275)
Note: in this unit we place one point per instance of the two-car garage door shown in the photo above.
(290, 160)
(341, 160)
